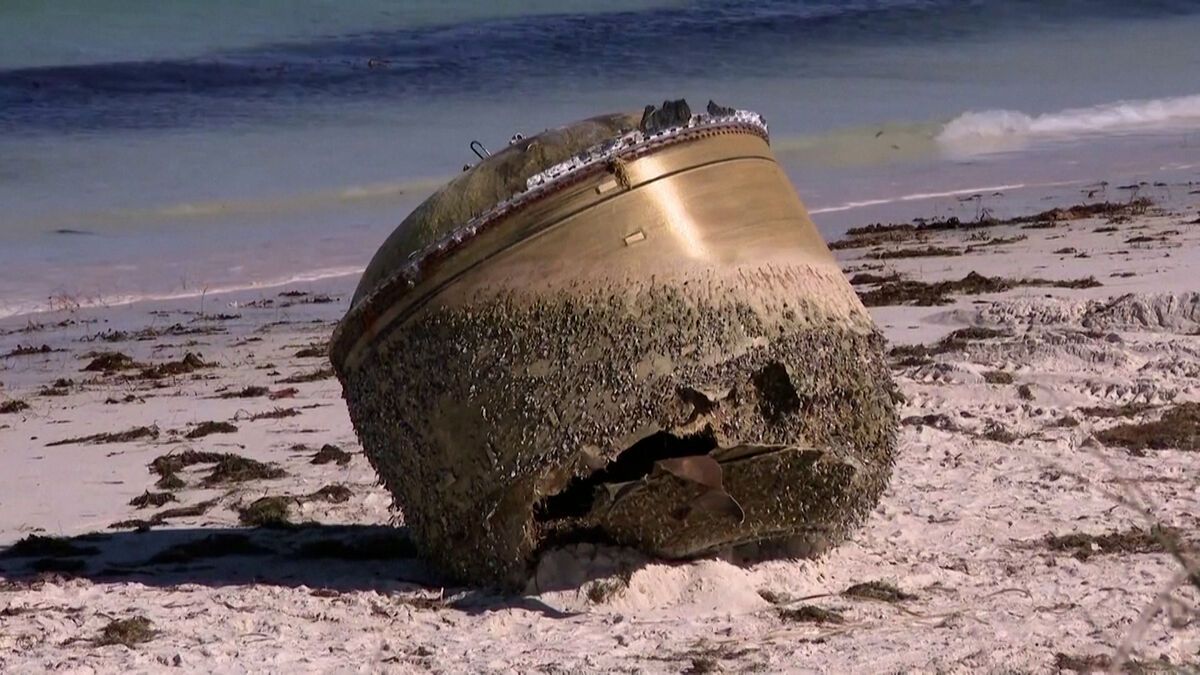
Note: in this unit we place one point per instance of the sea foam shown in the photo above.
(1011, 129)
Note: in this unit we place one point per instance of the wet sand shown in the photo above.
(1019, 532)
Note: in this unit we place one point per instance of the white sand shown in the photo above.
(960, 528)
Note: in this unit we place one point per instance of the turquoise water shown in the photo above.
(153, 149)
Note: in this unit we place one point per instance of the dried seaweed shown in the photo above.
(926, 294)
(30, 350)
(997, 377)
(251, 391)
(267, 512)
(314, 376)
(137, 433)
(237, 469)
(152, 499)
(1158, 539)
(207, 428)
(927, 252)
(128, 632)
(810, 614)
(1179, 428)
(188, 364)
(13, 405)
(110, 362)
(38, 546)
(878, 590)
(334, 494)
(331, 453)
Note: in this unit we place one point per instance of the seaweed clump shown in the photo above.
(208, 428)
(1179, 428)
(810, 614)
(878, 590)
(1158, 539)
(13, 405)
(128, 632)
(188, 364)
(267, 512)
(331, 453)
(928, 294)
(127, 436)
(38, 546)
(110, 362)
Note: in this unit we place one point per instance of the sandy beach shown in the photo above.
(182, 489)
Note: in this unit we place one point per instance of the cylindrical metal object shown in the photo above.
(650, 345)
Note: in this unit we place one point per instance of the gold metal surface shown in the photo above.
(708, 204)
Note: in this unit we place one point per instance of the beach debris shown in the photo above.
(30, 350)
(866, 278)
(937, 421)
(810, 614)
(958, 340)
(334, 494)
(227, 467)
(927, 252)
(997, 377)
(13, 405)
(1125, 410)
(1066, 422)
(232, 468)
(995, 431)
(925, 294)
(603, 590)
(128, 632)
(39, 546)
(662, 411)
(313, 376)
(274, 414)
(250, 391)
(995, 241)
(882, 591)
(173, 463)
(170, 481)
(208, 428)
(188, 364)
(152, 499)
(267, 512)
(1177, 429)
(1157, 539)
(110, 362)
(163, 516)
(331, 453)
(127, 436)
(313, 351)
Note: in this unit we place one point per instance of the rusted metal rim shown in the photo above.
(398, 287)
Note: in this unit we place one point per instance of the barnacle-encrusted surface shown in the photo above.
(478, 413)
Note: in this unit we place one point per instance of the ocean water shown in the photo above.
(173, 149)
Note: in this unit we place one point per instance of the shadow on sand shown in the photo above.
(329, 559)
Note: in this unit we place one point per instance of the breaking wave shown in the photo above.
(1011, 129)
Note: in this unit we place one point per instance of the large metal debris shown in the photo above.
(603, 333)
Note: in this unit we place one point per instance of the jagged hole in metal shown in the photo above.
(579, 496)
